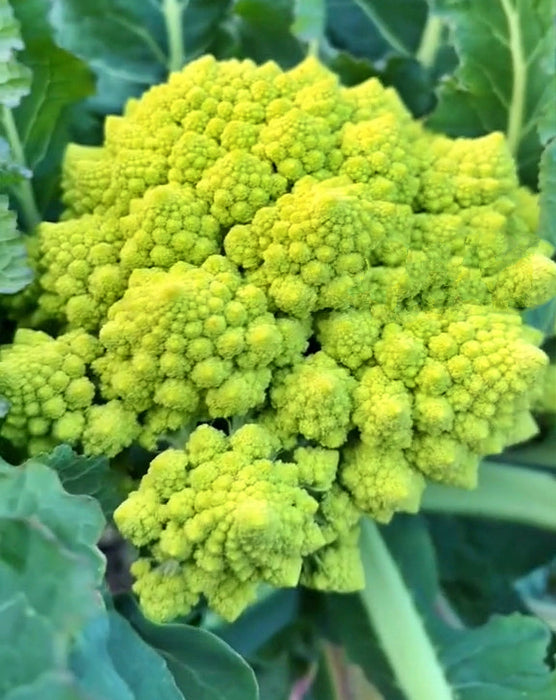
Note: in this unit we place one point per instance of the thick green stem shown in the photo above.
(504, 492)
(23, 191)
(519, 68)
(173, 11)
(398, 624)
(430, 41)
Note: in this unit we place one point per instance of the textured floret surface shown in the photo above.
(322, 294)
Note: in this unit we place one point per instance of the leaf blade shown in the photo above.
(203, 666)
(484, 95)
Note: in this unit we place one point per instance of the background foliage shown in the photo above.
(479, 567)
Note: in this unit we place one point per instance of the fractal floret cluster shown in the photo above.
(306, 302)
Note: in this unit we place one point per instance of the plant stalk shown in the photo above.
(23, 191)
(397, 622)
(505, 492)
(173, 11)
(430, 41)
(519, 69)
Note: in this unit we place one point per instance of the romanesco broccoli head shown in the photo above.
(270, 248)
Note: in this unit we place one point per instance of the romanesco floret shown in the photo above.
(45, 383)
(170, 224)
(190, 341)
(268, 247)
(225, 518)
(314, 399)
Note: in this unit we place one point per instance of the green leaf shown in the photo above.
(260, 621)
(536, 591)
(264, 31)
(57, 583)
(401, 42)
(112, 661)
(14, 82)
(34, 490)
(200, 19)
(504, 659)
(547, 188)
(89, 476)
(21, 628)
(351, 70)
(120, 38)
(309, 20)
(414, 84)
(131, 45)
(203, 666)
(400, 22)
(50, 686)
(56, 637)
(504, 80)
(14, 272)
(40, 520)
(15, 79)
(59, 80)
(145, 671)
(10, 39)
(351, 30)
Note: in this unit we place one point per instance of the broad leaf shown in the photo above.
(402, 47)
(14, 272)
(547, 187)
(120, 38)
(23, 630)
(504, 659)
(131, 45)
(112, 661)
(350, 29)
(264, 31)
(10, 39)
(504, 80)
(203, 666)
(57, 583)
(14, 82)
(89, 476)
(15, 78)
(54, 685)
(48, 546)
(59, 80)
(400, 22)
(536, 590)
(143, 669)
(351, 70)
(34, 490)
(260, 621)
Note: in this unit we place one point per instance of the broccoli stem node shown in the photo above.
(406, 644)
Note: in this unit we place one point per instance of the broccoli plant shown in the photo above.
(291, 306)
